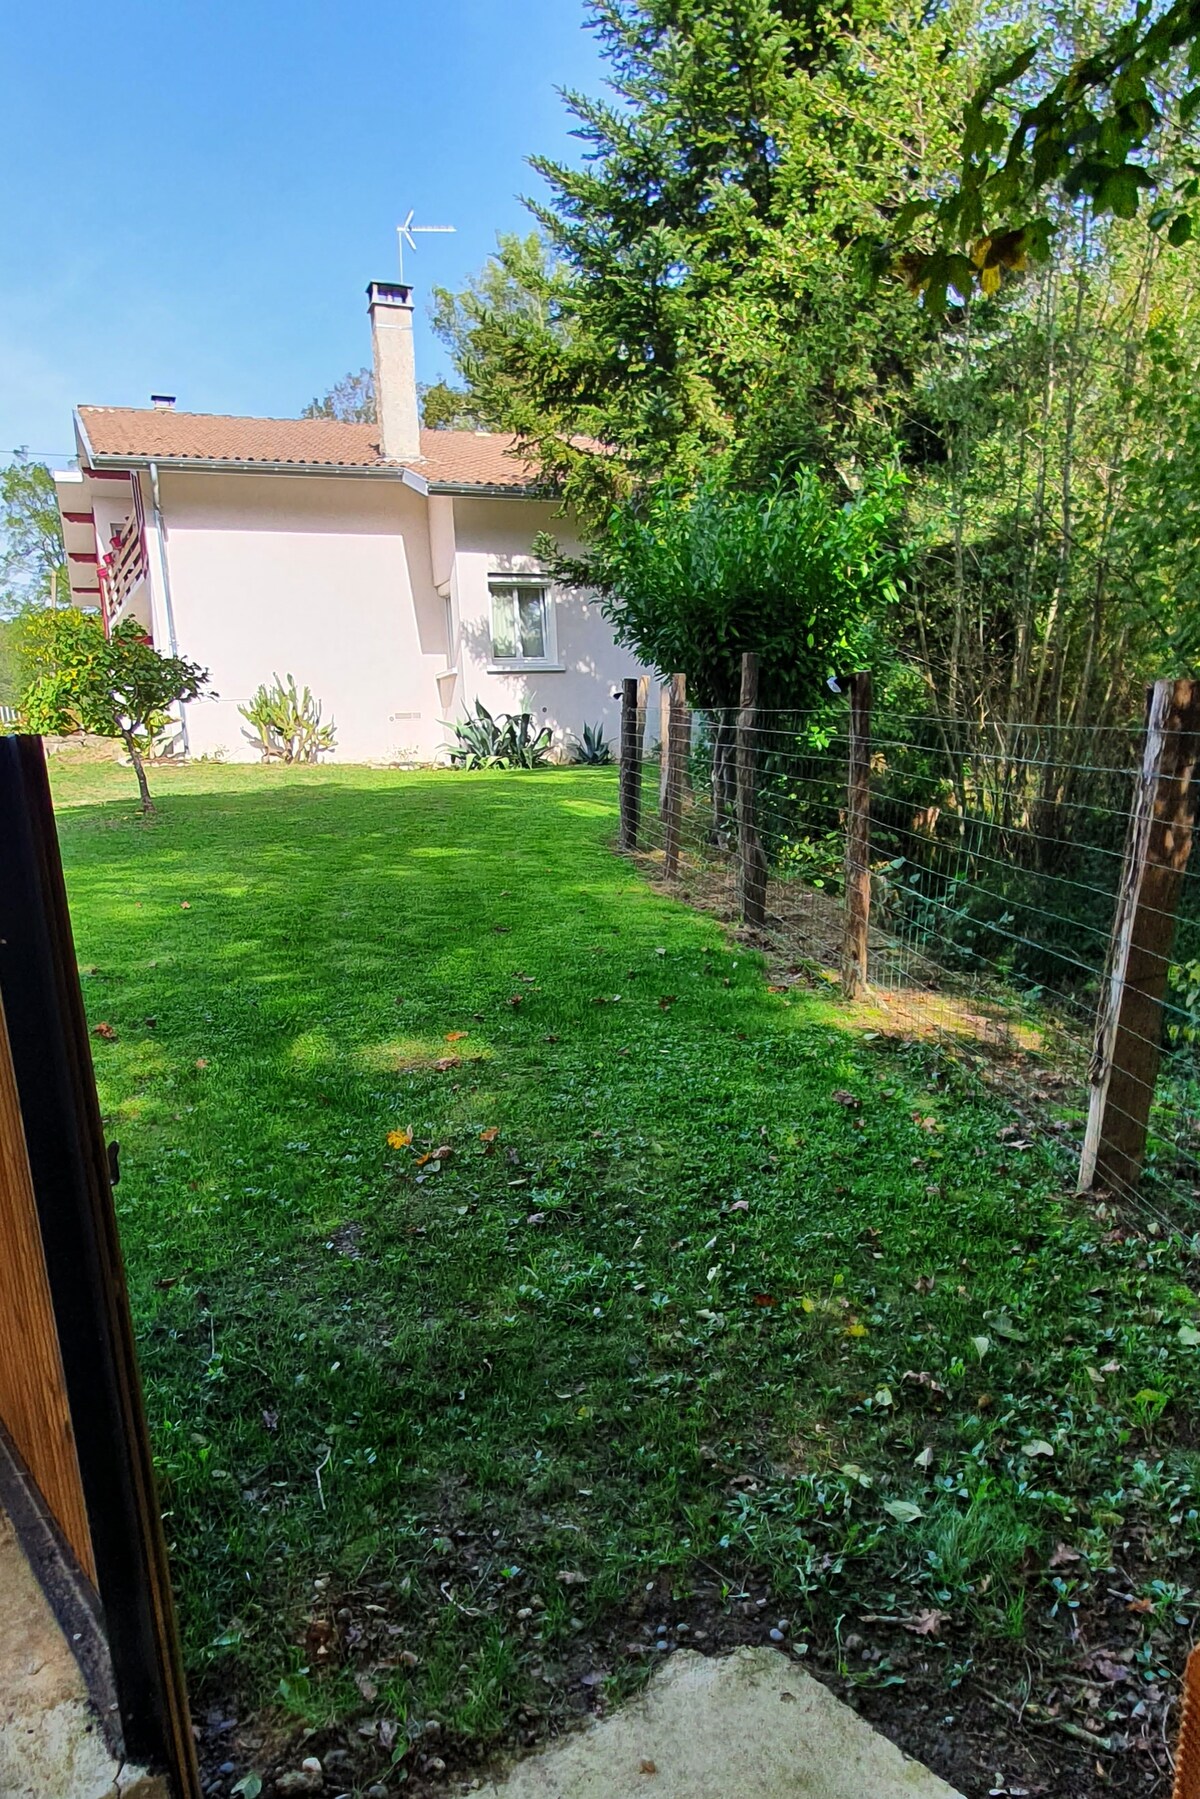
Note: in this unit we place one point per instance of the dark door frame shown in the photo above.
(47, 1027)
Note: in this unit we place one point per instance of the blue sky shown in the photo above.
(197, 191)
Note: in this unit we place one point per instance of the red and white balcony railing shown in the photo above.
(123, 569)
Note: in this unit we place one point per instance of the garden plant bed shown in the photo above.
(706, 1301)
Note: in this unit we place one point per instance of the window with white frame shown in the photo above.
(522, 625)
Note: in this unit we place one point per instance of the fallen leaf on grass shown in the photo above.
(925, 1459)
(849, 1100)
(926, 1624)
(763, 1299)
(669, 999)
(1140, 1605)
(185, 905)
(903, 1511)
(740, 1205)
(1063, 1553)
(456, 1036)
(649, 1767)
(201, 1061)
(855, 1329)
(551, 1038)
(366, 1687)
(488, 1139)
(445, 1063)
(571, 1577)
(104, 1030)
(1003, 1326)
(1037, 1446)
(399, 1139)
(922, 1379)
(515, 999)
(389, 1730)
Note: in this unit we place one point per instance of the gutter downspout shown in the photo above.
(160, 531)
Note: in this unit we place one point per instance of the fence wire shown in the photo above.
(995, 857)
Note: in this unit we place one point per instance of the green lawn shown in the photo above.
(666, 1312)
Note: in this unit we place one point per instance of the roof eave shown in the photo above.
(230, 465)
(484, 490)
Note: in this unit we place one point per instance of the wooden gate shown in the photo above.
(70, 1398)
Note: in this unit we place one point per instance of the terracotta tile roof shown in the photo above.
(448, 458)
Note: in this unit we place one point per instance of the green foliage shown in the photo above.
(592, 749)
(111, 686)
(507, 740)
(691, 581)
(692, 291)
(32, 557)
(1081, 111)
(446, 408)
(287, 723)
(352, 399)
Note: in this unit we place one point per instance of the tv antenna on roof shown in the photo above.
(404, 235)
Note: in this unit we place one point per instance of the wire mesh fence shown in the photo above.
(994, 859)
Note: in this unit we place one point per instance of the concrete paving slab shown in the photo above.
(51, 1744)
(752, 1724)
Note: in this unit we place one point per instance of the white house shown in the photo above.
(387, 567)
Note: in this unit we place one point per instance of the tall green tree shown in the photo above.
(352, 400)
(701, 297)
(33, 561)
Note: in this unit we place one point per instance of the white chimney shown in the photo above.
(396, 409)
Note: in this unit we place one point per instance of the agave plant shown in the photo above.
(507, 740)
(592, 748)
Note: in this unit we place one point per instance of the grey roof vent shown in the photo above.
(163, 402)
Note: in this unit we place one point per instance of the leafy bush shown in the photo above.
(592, 749)
(287, 724)
(506, 741)
(115, 685)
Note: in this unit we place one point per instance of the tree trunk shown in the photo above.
(139, 769)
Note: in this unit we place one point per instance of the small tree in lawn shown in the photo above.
(115, 686)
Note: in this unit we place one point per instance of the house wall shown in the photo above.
(332, 580)
(495, 536)
(328, 580)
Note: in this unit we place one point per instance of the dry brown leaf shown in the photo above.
(851, 1101)
(456, 1036)
(445, 1063)
(1063, 1554)
(926, 1624)
(104, 1030)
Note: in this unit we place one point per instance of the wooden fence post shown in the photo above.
(631, 764)
(675, 749)
(1129, 1022)
(664, 733)
(858, 839)
(751, 860)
